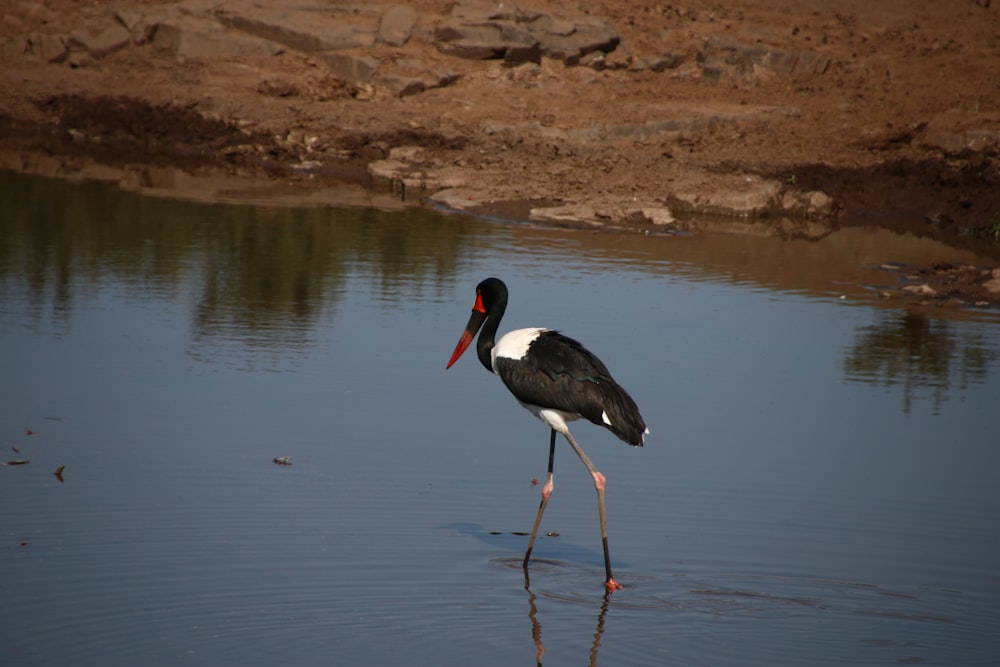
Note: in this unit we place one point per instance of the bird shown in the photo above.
(558, 380)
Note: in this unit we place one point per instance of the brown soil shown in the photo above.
(901, 130)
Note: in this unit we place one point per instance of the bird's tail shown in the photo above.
(621, 415)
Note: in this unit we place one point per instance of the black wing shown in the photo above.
(560, 373)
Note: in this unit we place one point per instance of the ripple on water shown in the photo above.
(745, 618)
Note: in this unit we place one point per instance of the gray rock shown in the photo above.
(396, 25)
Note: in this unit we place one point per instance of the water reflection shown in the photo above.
(923, 356)
(262, 277)
(259, 279)
(536, 625)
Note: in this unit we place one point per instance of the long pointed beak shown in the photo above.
(471, 329)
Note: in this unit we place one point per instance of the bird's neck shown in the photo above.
(487, 336)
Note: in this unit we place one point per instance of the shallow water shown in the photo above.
(818, 487)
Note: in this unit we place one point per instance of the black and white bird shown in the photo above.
(558, 380)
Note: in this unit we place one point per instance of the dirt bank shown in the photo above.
(801, 113)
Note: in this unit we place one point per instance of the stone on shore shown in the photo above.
(102, 41)
(722, 57)
(397, 25)
(203, 38)
(483, 31)
(304, 29)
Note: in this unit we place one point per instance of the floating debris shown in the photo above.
(16, 462)
(15, 449)
(552, 533)
(28, 431)
(283, 460)
(58, 473)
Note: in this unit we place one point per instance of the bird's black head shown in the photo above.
(493, 292)
(491, 302)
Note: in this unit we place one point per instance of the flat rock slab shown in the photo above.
(483, 31)
(203, 37)
(307, 28)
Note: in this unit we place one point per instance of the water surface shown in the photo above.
(818, 488)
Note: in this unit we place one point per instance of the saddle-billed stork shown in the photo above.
(558, 380)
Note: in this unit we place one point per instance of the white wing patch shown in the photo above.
(556, 419)
(515, 344)
(605, 418)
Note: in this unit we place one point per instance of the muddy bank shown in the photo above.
(776, 117)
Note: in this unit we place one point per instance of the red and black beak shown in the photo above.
(471, 329)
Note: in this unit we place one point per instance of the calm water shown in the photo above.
(819, 487)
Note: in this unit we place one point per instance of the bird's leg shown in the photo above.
(546, 492)
(599, 484)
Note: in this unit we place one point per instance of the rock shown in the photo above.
(396, 25)
(198, 37)
(747, 197)
(432, 75)
(920, 290)
(589, 34)
(658, 216)
(565, 213)
(277, 87)
(350, 67)
(103, 42)
(483, 31)
(47, 48)
(409, 76)
(304, 29)
(721, 57)
(656, 63)
(140, 24)
(811, 204)
(402, 85)
(493, 40)
(956, 132)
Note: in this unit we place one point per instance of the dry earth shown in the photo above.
(798, 115)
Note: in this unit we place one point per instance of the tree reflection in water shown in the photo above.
(927, 357)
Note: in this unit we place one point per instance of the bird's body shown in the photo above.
(558, 380)
(552, 374)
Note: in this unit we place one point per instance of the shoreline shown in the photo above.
(757, 115)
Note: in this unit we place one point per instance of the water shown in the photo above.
(818, 487)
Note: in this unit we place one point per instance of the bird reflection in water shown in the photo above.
(536, 625)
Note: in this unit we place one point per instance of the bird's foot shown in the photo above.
(612, 585)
